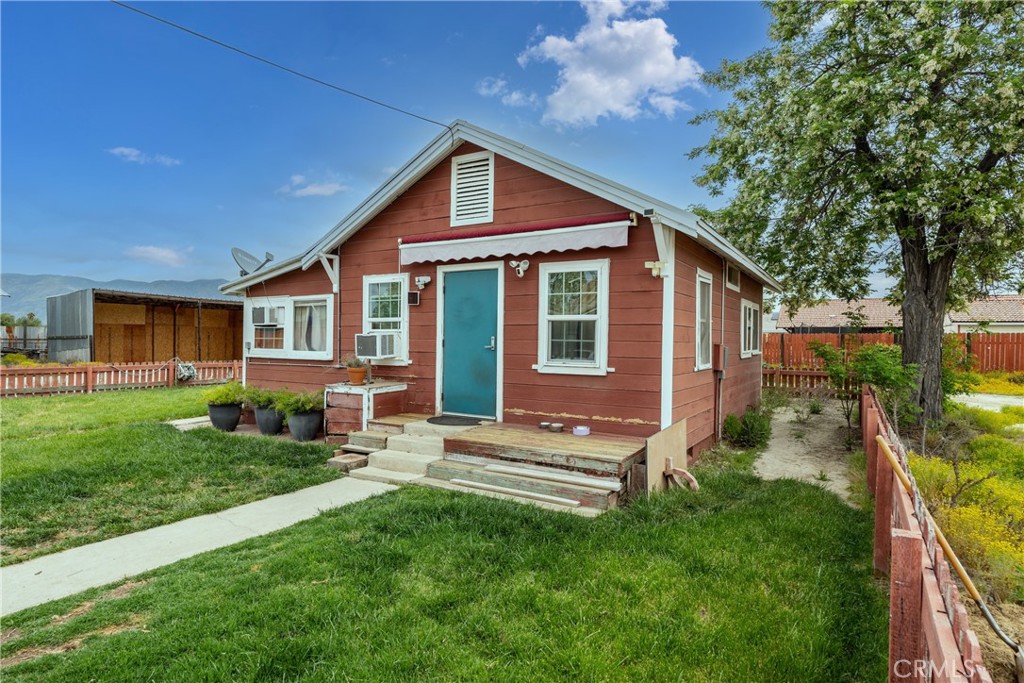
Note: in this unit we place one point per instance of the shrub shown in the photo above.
(293, 403)
(19, 360)
(956, 377)
(815, 406)
(1015, 378)
(259, 397)
(1000, 454)
(752, 430)
(227, 394)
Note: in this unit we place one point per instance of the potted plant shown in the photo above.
(305, 411)
(225, 405)
(356, 368)
(269, 417)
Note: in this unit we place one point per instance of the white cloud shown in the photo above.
(300, 186)
(162, 255)
(621, 63)
(498, 87)
(137, 156)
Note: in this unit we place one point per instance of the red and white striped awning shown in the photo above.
(462, 244)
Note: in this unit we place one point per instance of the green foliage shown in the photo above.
(351, 360)
(7, 320)
(881, 366)
(227, 394)
(843, 380)
(17, 360)
(815, 406)
(1005, 383)
(957, 377)
(752, 430)
(29, 320)
(292, 403)
(258, 397)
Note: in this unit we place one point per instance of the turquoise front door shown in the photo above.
(469, 381)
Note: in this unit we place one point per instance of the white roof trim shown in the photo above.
(614, 234)
(238, 286)
(460, 131)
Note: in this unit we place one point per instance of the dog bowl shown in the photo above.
(581, 430)
(544, 425)
(556, 426)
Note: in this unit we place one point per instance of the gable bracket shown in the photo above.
(662, 268)
(332, 264)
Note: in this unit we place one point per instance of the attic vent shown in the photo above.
(472, 188)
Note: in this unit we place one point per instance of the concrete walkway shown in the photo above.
(994, 402)
(65, 573)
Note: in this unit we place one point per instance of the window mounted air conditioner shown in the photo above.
(377, 345)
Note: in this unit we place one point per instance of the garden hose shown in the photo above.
(1018, 659)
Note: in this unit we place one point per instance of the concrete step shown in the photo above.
(446, 485)
(385, 476)
(427, 445)
(369, 438)
(402, 461)
(424, 428)
(506, 482)
(346, 462)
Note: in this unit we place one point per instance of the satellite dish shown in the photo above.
(247, 262)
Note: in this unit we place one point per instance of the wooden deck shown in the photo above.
(600, 454)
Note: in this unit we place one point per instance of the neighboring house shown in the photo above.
(997, 313)
(112, 326)
(510, 285)
(839, 316)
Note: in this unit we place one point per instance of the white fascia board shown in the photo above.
(238, 286)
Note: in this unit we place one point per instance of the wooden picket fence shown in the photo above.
(930, 638)
(77, 379)
(996, 351)
(794, 350)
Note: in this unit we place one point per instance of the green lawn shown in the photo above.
(79, 469)
(746, 580)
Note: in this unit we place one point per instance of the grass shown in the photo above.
(743, 580)
(81, 469)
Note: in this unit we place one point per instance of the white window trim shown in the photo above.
(745, 306)
(600, 364)
(288, 303)
(456, 161)
(729, 266)
(402, 350)
(704, 276)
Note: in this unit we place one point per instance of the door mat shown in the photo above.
(453, 421)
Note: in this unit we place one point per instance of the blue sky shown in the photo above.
(133, 150)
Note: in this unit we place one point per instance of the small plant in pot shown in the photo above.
(224, 402)
(269, 417)
(305, 411)
(356, 368)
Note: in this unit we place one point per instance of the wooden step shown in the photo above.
(445, 485)
(352, 448)
(460, 472)
(395, 424)
(369, 439)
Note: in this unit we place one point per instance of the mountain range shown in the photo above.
(27, 293)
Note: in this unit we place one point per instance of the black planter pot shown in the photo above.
(225, 418)
(269, 420)
(305, 426)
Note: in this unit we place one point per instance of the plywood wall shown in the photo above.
(139, 333)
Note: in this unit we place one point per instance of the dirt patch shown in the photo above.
(995, 654)
(121, 591)
(808, 448)
(7, 635)
(79, 610)
(136, 623)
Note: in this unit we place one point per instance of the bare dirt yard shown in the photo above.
(808, 447)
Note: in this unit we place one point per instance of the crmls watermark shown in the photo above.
(927, 670)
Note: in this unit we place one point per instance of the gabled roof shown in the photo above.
(998, 308)
(281, 267)
(460, 132)
(832, 313)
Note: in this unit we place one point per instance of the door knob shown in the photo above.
(491, 346)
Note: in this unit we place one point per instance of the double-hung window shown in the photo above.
(290, 327)
(750, 329)
(573, 335)
(703, 314)
(386, 310)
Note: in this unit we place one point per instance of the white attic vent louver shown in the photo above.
(472, 188)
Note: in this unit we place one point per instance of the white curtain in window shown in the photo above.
(310, 327)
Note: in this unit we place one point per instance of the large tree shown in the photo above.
(879, 135)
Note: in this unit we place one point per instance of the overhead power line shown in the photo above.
(286, 69)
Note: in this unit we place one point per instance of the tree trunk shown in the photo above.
(924, 309)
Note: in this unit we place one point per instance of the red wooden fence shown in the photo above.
(15, 381)
(995, 351)
(930, 638)
(794, 350)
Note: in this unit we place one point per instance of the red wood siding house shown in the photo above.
(614, 322)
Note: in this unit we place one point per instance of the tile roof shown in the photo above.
(999, 308)
(832, 313)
